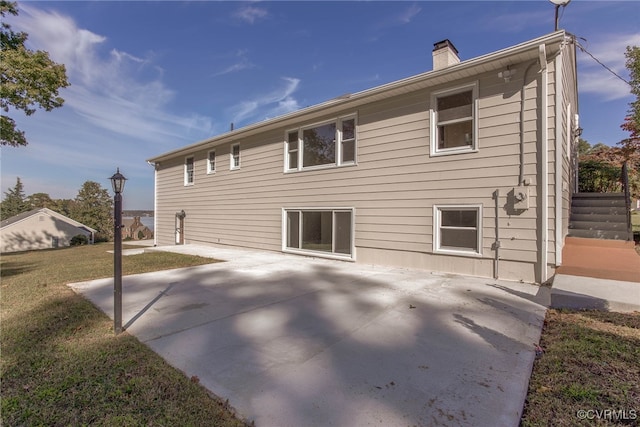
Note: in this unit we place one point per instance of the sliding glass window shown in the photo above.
(319, 230)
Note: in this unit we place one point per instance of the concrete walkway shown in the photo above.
(296, 341)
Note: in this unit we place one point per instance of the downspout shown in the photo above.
(559, 148)
(544, 152)
(155, 202)
(522, 102)
(496, 244)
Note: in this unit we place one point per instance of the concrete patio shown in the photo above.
(293, 341)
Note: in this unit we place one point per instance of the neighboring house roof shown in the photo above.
(25, 215)
(498, 60)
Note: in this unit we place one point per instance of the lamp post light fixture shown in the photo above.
(117, 183)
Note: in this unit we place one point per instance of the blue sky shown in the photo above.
(150, 77)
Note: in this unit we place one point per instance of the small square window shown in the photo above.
(457, 229)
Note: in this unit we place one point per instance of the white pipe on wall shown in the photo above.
(544, 170)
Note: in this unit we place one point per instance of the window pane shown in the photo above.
(293, 229)
(343, 232)
(455, 135)
(293, 159)
(459, 239)
(293, 153)
(189, 170)
(460, 218)
(456, 106)
(348, 151)
(348, 129)
(236, 155)
(319, 145)
(212, 161)
(292, 136)
(317, 231)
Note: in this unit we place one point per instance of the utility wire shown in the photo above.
(582, 48)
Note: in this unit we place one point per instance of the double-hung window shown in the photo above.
(325, 231)
(189, 171)
(235, 156)
(327, 144)
(211, 162)
(454, 120)
(457, 229)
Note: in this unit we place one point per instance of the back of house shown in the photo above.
(467, 168)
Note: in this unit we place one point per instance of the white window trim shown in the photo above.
(433, 118)
(209, 169)
(338, 141)
(232, 165)
(320, 254)
(186, 173)
(436, 229)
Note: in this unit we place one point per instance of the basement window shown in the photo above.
(457, 229)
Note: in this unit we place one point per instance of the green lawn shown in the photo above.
(61, 363)
(591, 362)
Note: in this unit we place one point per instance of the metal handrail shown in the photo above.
(627, 198)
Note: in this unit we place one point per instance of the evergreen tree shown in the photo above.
(93, 207)
(40, 200)
(14, 202)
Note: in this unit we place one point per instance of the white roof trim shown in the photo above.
(54, 214)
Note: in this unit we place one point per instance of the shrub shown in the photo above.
(596, 176)
(79, 239)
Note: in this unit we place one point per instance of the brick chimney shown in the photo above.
(445, 54)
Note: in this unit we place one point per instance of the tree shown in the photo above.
(29, 79)
(14, 202)
(632, 121)
(40, 200)
(600, 168)
(93, 207)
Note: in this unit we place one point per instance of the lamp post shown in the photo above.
(117, 183)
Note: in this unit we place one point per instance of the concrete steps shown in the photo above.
(599, 216)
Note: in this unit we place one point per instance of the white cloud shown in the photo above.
(243, 63)
(115, 90)
(408, 14)
(405, 16)
(594, 78)
(272, 104)
(518, 21)
(251, 14)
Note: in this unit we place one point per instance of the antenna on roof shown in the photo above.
(559, 3)
(231, 127)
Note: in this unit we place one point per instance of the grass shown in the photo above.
(591, 362)
(61, 363)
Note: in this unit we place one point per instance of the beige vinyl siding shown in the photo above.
(393, 187)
